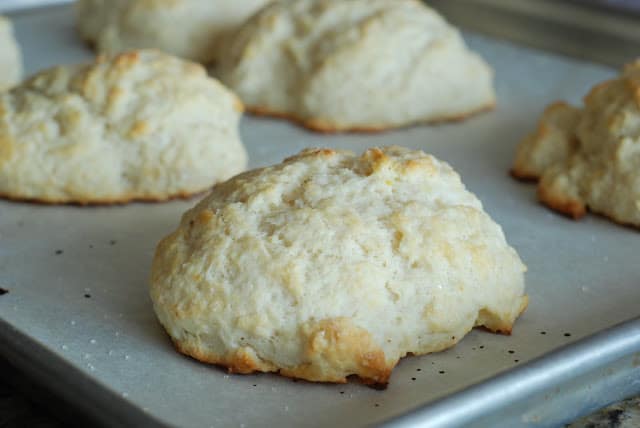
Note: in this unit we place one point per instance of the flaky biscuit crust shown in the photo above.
(360, 65)
(587, 158)
(329, 128)
(142, 125)
(330, 265)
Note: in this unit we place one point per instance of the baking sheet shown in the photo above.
(77, 277)
(568, 27)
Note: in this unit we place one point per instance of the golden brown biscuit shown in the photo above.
(359, 65)
(137, 126)
(589, 158)
(330, 265)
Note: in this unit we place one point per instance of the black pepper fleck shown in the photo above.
(254, 384)
(341, 392)
(441, 372)
(3, 291)
(378, 386)
(112, 242)
(516, 361)
(567, 335)
(543, 332)
(481, 346)
(376, 405)
(58, 252)
(413, 378)
(615, 417)
(88, 296)
(511, 351)
(418, 370)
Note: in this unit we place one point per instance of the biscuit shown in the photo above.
(10, 57)
(186, 28)
(142, 125)
(330, 265)
(358, 65)
(588, 158)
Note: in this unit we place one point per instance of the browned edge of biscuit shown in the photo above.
(568, 211)
(102, 202)
(523, 176)
(243, 365)
(239, 364)
(506, 328)
(570, 208)
(573, 210)
(324, 127)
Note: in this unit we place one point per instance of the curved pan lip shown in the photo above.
(70, 386)
(539, 376)
(465, 408)
(582, 29)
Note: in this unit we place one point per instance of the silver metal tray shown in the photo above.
(78, 317)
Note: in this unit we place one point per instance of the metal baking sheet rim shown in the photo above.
(101, 405)
(527, 387)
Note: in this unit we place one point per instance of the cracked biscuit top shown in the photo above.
(142, 125)
(355, 65)
(588, 158)
(330, 264)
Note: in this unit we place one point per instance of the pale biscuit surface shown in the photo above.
(10, 56)
(589, 158)
(186, 28)
(330, 265)
(359, 65)
(141, 125)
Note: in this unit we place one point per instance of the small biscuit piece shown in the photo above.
(589, 158)
(10, 57)
(356, 65)
(137, 126)
(330, 265)
(186, 28)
